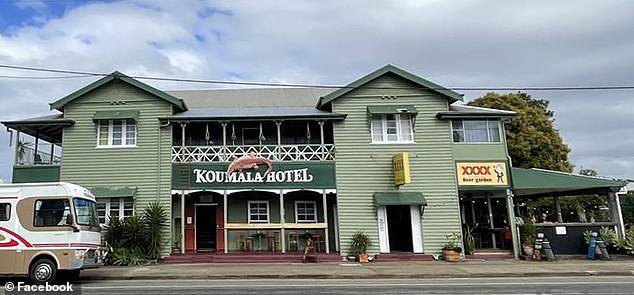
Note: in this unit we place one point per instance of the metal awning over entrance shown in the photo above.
(399, 198)
(536, 183)
(113, 192)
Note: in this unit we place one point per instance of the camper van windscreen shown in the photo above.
(86, 212)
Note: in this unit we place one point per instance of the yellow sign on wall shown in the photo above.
(481, 173)
(400, 166)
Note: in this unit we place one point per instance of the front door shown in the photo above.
(205, 228)
(399, 226)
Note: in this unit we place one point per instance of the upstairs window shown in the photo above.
(116, 133)
(475, 131)
(392, 128)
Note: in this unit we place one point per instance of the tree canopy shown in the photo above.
(533, 141)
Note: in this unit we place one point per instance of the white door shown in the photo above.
(384, 236)
(417, 238)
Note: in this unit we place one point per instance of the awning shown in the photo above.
(48, 128)
(113, 192)
(399, 198)
(539, 182)
(392, 109)
(108, 115)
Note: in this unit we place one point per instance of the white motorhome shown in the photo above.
(48, 230)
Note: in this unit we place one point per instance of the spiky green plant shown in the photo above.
(155, 221)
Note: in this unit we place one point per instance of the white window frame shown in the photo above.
(268, 211)
(399, 129)
(121, 208)
(489, 135)
(124, 133)
(297, 212)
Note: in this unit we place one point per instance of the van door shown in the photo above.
(8, 244)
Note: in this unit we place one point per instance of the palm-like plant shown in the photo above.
(155, 221)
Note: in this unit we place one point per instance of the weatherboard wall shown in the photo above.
(145, 167)
(364, 168)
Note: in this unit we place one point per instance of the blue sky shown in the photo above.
(468, 43)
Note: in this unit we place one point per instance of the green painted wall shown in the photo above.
(36, 173)
(479, 152)
(364, 168)
(146, 167)
(237, 206)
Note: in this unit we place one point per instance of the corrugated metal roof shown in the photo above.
(254, 112)
(251, 97)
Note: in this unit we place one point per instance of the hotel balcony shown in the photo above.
(288, 141)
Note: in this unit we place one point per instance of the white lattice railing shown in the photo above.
(273, 152)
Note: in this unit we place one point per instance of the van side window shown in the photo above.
(51, 212)
(5, 211)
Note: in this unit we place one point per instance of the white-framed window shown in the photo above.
(305, 211)
(258, 211)
(116, 133)
(392, 128)
(114, 208)
(475, 131)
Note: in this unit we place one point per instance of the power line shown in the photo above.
(44, 77)
(460, 88)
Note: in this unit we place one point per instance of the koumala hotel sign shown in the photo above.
(254, 173)
(290, 176)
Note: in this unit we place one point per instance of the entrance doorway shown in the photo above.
(399, 226)
(486, 217)
(205, 216)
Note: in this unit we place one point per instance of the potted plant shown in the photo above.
(451, 251)
(359, 246)
(469, 240)
(528, 234)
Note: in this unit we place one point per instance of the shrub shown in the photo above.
(126, 257)
(360, 243)
(453, 242)
(154, 220)
(627, 243)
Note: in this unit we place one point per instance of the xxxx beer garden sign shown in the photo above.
(482, 174)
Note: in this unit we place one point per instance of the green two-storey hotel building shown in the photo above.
(249, 170)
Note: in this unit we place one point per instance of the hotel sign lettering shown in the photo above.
(482, 174)
(283, 175)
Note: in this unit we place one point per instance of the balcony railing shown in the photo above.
(28, 156)
(324, 152)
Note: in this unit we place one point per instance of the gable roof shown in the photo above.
(60, 103)
(452, 95)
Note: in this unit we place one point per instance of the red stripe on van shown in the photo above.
(11, 243)
(24, 241)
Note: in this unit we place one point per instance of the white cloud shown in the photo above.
(468, 43)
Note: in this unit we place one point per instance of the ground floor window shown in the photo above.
(114, 208)
(258, 211)
(306, 211)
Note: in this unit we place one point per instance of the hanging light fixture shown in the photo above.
(308, 132)
(207, 135)
(233, 134)
(262, 138)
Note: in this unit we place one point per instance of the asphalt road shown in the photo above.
(544, 285)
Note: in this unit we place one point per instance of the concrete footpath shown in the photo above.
(432, 269)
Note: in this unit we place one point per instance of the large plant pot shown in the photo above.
(528, 250)
(451, 255)
(363, 258)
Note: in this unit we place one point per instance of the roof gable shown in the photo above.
(60, 103)
(450, 94)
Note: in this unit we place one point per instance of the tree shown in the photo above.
(533, 141)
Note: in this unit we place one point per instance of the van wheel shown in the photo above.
(68, 275)
(42, 271)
